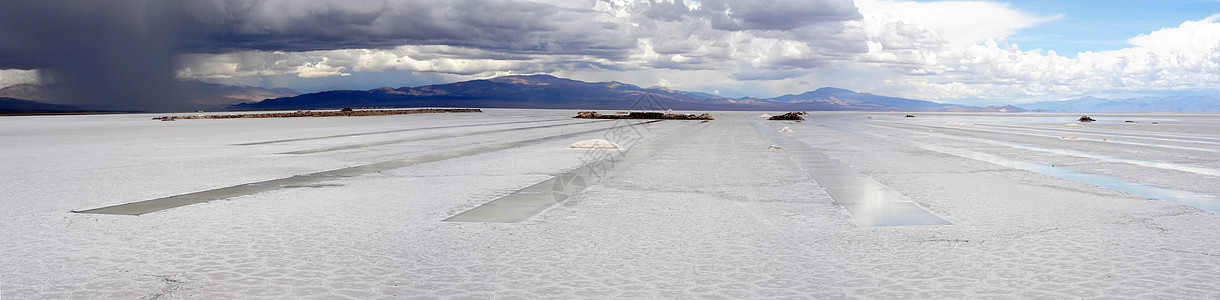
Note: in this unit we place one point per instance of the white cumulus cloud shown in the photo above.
(925, 53)
(15, 76)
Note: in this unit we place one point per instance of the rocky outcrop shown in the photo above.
(792, 116)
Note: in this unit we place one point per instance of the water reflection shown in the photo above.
(1200, 201)
(870, 203)
(529, 201)
(877, 214)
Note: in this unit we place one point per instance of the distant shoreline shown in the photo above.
(15, 114)
(346, 112)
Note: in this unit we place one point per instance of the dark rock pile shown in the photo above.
(1086, 119)
(792, 116)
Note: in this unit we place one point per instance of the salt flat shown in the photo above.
(700, 210)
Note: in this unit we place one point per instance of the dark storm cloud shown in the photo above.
(326, 25)
(109, 55)
(512, 26)
(124, 54)
(31, 29)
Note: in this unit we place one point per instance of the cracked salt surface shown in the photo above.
(712, 213)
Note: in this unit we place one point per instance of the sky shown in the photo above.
(131, 53)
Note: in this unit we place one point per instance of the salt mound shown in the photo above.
(786, 129)
(775, 147)
(791, 116)
(594, 144)
(764, 116)
(1068, 137)
(1072, 125)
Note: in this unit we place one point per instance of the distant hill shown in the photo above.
(545, 91)
(841, 99)
(21, 106)
(537, 91)
(197, 95)
(1091, 104)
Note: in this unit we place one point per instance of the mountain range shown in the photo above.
(545, 91)
(1181, 103)
(22, 106)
